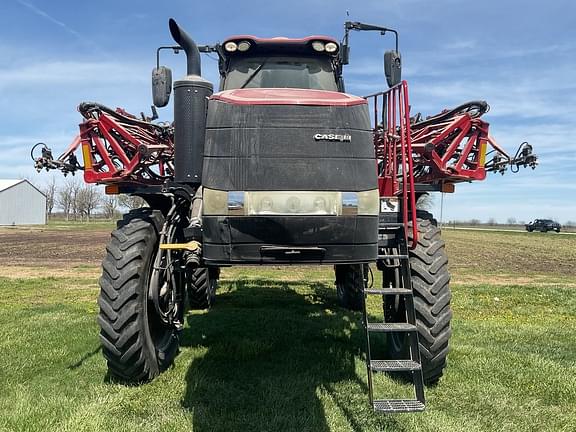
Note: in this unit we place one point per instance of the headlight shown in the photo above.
(331, 47)
(243, 46)
(361, 203)
(286, 203)
(293, 203)
(230, 46)
(318, 46)
(369, 203)
(214, 202)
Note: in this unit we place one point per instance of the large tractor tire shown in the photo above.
(350, 281)
(201, 287)
(430, 281)
(136, 343)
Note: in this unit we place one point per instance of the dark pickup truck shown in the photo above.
(543, 225)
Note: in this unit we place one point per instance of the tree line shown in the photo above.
(76, 200)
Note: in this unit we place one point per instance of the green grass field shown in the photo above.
(278, 354)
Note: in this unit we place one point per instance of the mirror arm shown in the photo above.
(176, 50)
(358, 26)
(383, 32)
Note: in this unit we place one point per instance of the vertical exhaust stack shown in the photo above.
(191, 95)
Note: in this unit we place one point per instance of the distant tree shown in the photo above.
(570, 224)
(110, 206)
(87, 199)
(474, 222)
(66, 197)
(492, 222)
(131, 201)
(50, 190)
(511, 221)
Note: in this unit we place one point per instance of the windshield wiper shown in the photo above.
(253, 74)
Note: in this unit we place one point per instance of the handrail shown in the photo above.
(393, 147)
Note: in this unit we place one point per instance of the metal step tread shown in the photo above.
(389, 291)
(393, 257)
(394, 365)
(391, 327)
(390, 225)
(398, 405)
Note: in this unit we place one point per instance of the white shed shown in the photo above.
(21, 203)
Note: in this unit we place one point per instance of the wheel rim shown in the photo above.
(160, 332)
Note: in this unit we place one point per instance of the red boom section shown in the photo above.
(447, 148)
(451, 147)
(117, 148)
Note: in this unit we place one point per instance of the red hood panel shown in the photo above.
(288, 96)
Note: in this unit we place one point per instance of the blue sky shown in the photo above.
(520, 56)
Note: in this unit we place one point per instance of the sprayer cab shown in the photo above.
(306, 63)
(283, 158)
(246, 61)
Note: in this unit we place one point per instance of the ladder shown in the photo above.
(412, 365)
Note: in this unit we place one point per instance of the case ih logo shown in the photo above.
(333, 137)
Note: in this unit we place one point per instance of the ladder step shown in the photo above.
(391, 327)
(390, 225)
(398, 405)
(380, 257)
(389, 291)
(394, 365)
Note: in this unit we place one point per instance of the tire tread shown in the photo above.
(121, 317)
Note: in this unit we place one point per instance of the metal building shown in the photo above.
(21, 203)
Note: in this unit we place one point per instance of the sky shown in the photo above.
(520, 56)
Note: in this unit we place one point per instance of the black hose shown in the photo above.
(474, 108)
(87, 107)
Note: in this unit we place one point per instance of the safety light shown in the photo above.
(230, 46)
(112, 189)
(243, 46)
(318, 46)
(331, 47)
(87, 155)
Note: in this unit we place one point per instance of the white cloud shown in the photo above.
(60, 24)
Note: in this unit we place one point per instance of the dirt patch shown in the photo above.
(26, 272)
(507, 280)
(62, 249)
(523, 254)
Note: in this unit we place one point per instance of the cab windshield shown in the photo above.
(281, 72)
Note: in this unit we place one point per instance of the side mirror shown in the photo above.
(161, 86)
(344, 54)
(393, 68)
